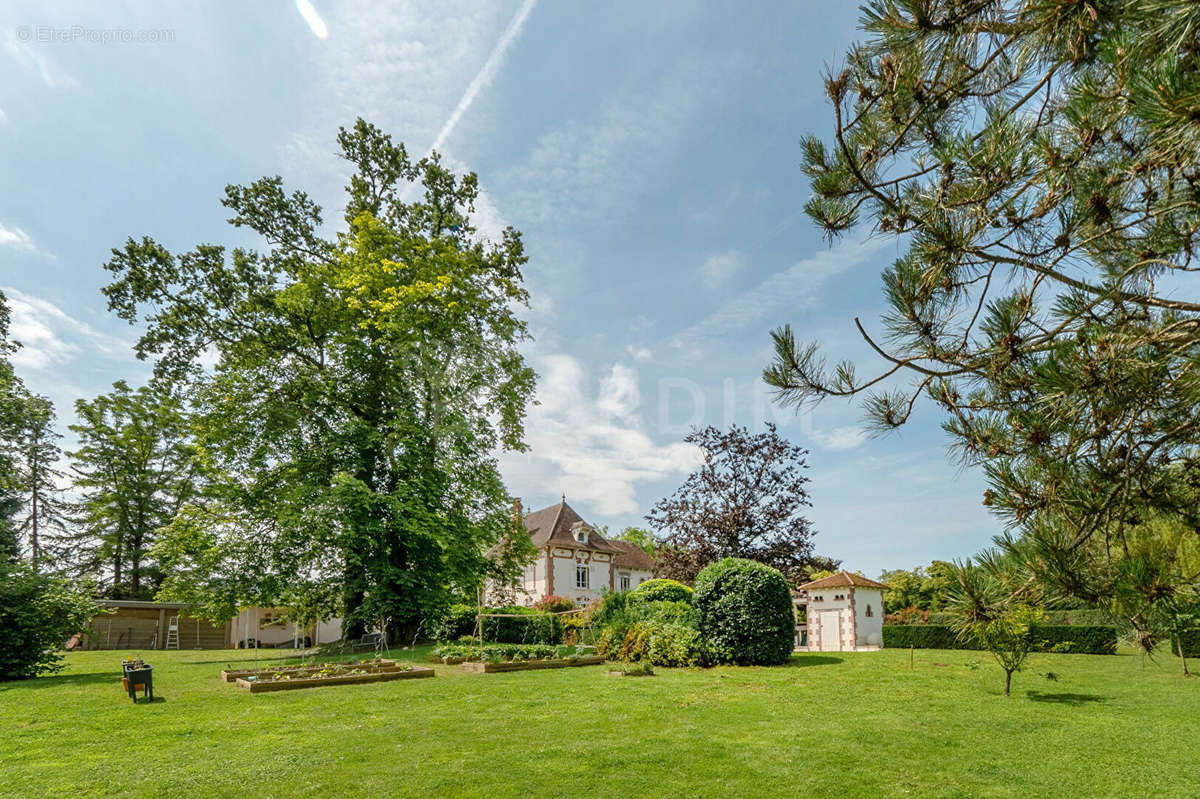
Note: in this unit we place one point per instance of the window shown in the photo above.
(581, 535)
(624, 582)
(581, 576)
(869, 613)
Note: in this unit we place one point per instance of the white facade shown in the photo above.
(581, 575)
(843, 613)
(573, 561)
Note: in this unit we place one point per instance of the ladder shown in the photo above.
(172, 633)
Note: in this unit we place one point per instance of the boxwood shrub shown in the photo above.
(1077, 639)
(745, 613)
(663, 590)
(518, 626)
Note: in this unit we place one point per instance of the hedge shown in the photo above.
(1191, 644)
(1077, 639)
(1081, 617)
(518, 625)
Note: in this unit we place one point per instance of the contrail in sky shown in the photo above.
(486, 73)
(315, 23)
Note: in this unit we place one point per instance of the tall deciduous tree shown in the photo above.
(1038, 164)
(135, 467)
(43, 518)
(745, 500)
(364, 383)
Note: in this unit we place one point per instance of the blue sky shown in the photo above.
(648, 151)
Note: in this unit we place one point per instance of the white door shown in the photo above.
(831, 639)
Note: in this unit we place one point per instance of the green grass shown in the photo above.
(845, 725)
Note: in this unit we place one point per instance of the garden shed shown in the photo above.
(843, 613)
(137, 624)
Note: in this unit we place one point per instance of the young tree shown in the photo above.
(744, 501)
(995, 606)
(135, 467)
(43, 517)
(1037, 164)
(364, 383)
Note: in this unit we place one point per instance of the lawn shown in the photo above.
(844, 725)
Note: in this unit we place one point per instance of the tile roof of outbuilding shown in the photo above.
(845, 579)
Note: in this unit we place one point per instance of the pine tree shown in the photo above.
(1038, 164)
(43, 517)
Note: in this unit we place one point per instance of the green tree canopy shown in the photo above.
(364, 383)
(135, 467)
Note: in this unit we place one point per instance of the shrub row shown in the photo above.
(1082, 617)
(1077, 639)
(1191, 643)
(494, 653)
(518, 625)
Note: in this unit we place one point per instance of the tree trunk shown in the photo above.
(36, 551)
(1007, 682)
(1179, 648)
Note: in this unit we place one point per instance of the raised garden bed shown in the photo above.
(529, 665)
(229, 675)
(330, 674)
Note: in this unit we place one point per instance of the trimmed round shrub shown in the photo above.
(663, 590)
(745, 613)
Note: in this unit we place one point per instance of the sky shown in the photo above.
(648, 152)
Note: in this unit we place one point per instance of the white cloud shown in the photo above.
(638, 353)
(595, 168)
(778, 297)
(16, 238)
(840, 439)
(50, 337)
(591, 448)
(721, 266)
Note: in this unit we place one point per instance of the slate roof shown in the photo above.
(844, 579)
(553, 525)
(631, 556)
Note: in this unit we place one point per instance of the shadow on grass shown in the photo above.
(1074, 700)
(64, 680)
(800, 661)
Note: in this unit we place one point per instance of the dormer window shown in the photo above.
(581, 535)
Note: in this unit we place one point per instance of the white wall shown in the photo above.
(825, 600)
(870, 628)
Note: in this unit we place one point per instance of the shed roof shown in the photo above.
(844, 579)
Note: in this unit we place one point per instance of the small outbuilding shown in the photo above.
(843, 613)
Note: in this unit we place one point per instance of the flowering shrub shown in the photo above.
(554, 604)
